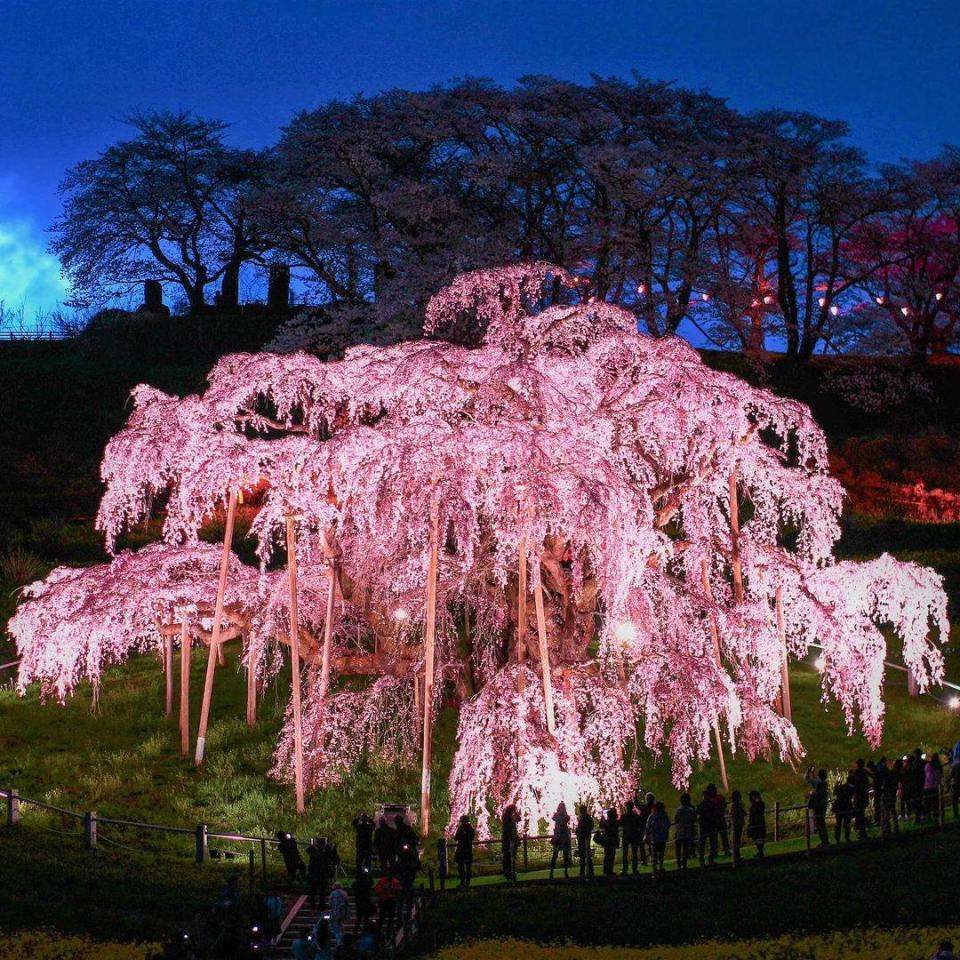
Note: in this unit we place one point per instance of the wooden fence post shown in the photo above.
(263, 859)
(201, 842)
(13, 807)
(217, 625)
(776, 820)
(90, 830)
(913, 688)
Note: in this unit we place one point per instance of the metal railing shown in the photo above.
(93, 821)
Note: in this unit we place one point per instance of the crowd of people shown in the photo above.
(873, 795)
(397, 848)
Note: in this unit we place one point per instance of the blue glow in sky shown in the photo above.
(70, 70)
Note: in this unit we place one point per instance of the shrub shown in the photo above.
(905, 943)
(49, 945)
(19, 566)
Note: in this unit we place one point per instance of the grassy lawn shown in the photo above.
(122, 759)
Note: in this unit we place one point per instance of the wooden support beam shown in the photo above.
(786, 706)
(714, 635)
(217, 622)
(185, 642)
(168, 673)
(429, 640)
(735, 566)
(522, 600)
(295, 665)
(544, 651)
(251, 686)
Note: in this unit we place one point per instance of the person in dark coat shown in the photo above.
(859, 781)
(707, 816)
(842, 810)
(644, 810)
(363, 832)
(719, 802)
(631, 828)
(610, 832)
(463, 852)
(585, 842)
(292, 860)
(511, 840)
(385, 841)
(560, 840)
(757, 821)
(362, 899)
(738, 820)
(817, 803)
(322, 862)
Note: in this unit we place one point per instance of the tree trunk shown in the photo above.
(230, 286)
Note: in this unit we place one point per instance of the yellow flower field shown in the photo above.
(42, 945)
(909, 943)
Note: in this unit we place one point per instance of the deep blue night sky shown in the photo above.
(70, 69)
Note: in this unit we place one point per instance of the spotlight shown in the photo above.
(820, 664)
(822, 301)
(704, 296)
(768, 299)
(939, 295)
(625, 631)
(953, 703)
(879, 300)
(834, 309)
(400, 614)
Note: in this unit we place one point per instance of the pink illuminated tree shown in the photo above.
(626, 545)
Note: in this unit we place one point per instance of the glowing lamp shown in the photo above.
(400, 615)
(822, 301)
(820, 664)
(953, 703)
(642, 288)
(768, 299)
(625, 631)
(755, 303)
(704, 296)
(879, 300)
(939, 295)
(834, 309)
(905, 310)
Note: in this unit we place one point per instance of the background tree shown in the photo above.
(911, 259)
(171, 204)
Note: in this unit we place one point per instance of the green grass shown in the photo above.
(122, 757)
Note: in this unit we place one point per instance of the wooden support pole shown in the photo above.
(217, 622)
(714, 635)
(168, 671)
(522, 600)
(184, 688)
(544, 651)
(328, 635)
(735, 540)
(429, 640)
(251, 687)
(785, 703)
(295, 664)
